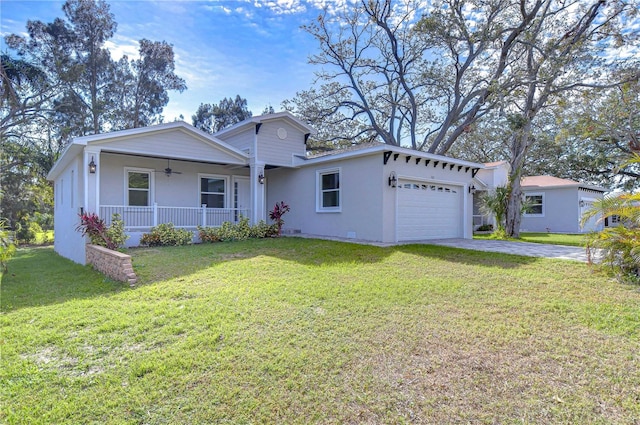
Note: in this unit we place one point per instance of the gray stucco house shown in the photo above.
(557, 205)
(176, 173)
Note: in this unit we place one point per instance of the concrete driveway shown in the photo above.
(527, 249)
(518, 248)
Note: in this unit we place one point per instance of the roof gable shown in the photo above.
(177, 140)
(251, 123)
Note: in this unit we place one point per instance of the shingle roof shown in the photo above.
(494, 164)
(545, 181)
(555, 182)
(343, 150)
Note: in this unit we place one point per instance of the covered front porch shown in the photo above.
(142, 218)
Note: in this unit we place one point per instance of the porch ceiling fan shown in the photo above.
(168, 171)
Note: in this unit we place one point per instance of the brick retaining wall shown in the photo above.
(113, 264)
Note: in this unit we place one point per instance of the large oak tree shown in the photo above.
(422, 76)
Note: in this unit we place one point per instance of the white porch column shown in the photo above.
(258, 193)
(257, 184)
(91, 180)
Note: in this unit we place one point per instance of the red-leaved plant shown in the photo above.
(276, 214)
(95, 227)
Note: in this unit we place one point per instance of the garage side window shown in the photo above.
(328, 190)
(534, 205)
(139, 188)
(212, 191)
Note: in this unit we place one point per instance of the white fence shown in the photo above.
(145, 217)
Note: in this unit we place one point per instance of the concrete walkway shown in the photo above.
(527, 249)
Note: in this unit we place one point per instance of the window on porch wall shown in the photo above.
(212, 192)
(138, 188)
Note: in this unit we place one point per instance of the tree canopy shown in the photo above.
(212, 118)
(429, 76)
(60, 81)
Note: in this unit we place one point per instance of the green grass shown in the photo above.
(549, 238)
(298, 331)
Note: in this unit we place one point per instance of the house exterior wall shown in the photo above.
(171, 143)
(560, 206)
(361, 211)
(495, 176)
(242, 141)
(274, 150)
(562, 211)
(368, 204)
(68, 194)
(178, 190)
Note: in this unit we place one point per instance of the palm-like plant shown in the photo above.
(618, 247)
(494, 203)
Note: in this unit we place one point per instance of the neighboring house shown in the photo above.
(176, 173)
(557, 205)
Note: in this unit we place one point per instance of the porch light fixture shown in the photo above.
(261, 178)
(92, 166)
(472, 189)
(581, 203)
(393, 180)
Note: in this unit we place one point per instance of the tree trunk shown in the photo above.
(514, 207)
(519, 146)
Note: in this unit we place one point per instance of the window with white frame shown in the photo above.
(534, 204)
(213, 191)
(138, 188)
(328, 190)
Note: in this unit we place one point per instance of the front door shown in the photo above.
(241, 197)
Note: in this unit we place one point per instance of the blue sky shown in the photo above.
(254, 48)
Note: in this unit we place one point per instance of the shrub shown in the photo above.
(485, 228)
(276, 214)
(208, 234)
(27, 231)
(264, 230)
(166, 235)
(235, 231)
(95, 228)
(617, 247)
(241, 230)
(45, 220)
(111, 237)
(115, 232)
(7, 247)
(47, 237)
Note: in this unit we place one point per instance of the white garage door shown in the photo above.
(429, 211)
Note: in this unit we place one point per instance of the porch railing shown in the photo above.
(145, 217)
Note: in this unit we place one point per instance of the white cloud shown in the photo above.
(332, 7)
(285, 7)
(119, 46)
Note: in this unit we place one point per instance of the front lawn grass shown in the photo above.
(298, 331)
(548, 238)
